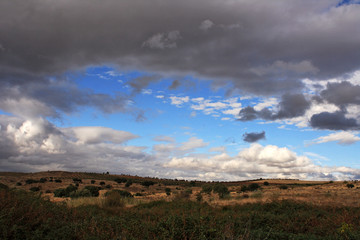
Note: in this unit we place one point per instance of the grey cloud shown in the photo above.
(51, 37)
(291, 105)
(333, 121)
(253, 137)
(342, 94)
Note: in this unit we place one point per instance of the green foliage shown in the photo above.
(244, 188)
(147, 183)
(207, 188)
(77, 180)
(43, 180)
(168, 191)
(221, 189)
(24, 215)
(350, 185)
(253, 187)
(65, 192)
(94, 191)
(30, 181)
(93, 181)
(80, 193)
(128, 183)
(120, 180)
(199, 197)
(35, 189)
(3, 186)
(121, 193)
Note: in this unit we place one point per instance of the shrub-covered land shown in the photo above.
(26, 215)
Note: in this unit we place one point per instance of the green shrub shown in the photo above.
(199, 197)
(221, 189)
(168, 191)
(120, 180)
(122, 193)
(284, 187)
(93, 181)
(34, 189)
(350, 185)
(58, 180)
(147, 183)
(102, 183)
(253, 187)
(266, 184)
(77, 180)
(93, 190)
(43, 180)
(207, 188)
(81, 193)
(128, 183)
(108, 186)
(244, 188)
(30, 181)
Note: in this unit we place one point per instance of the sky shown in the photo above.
(212, 90)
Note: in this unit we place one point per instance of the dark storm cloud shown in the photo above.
(253, 137)
(260, 46)
(342, 94)
(333, 121)
(290, 106)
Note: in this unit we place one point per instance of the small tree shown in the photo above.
(221, 189)
(350, 185)
(168, 191)
(254, 186)
(207, 188)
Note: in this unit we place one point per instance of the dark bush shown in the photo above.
(138, 194)
(65, 192)
(147, 183)
(43, 180)
(207, 188)
(18, 184)
(30, 181)
(128, 183)
(168, 191)
(102, 183)
(93, 190)
(199, 197)
(108, 186)
(60, 192)
(77, 180)
(80, 193)
(350, 185)
(221, 189)
(253, 187)
(48, 191)
(3, 186)
(58, 181)
(120, 180)
(121, 193)
(93, 181)
(35, 189)
(284, 187)
(266, 184)
(244, 188)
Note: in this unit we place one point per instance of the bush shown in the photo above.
(93, 190)
(114, 199)
(80, 193)
(43, 180)
(102, 183)
(120, 180)
(207, 188)
(121, 193)
(284, 187)
(254, 186)
(3, 186)
(350, 185)
(18, 184)
(139, 194)
(128, 183)
(199, 197)
(244, 188)
(147, 183)
(221, 189)
(35, 189)
(168, 191)
(93, 181)
(58, 181)
(65, 192)
(48, 191)
(77, 180)
(266, 184)
(30, 181)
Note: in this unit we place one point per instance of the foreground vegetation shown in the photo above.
(26, 215)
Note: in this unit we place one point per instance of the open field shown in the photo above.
(129, 207)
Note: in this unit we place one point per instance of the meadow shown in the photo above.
(64, 205)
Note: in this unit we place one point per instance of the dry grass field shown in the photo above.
(314, 192)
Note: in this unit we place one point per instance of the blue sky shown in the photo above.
(211, 90)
